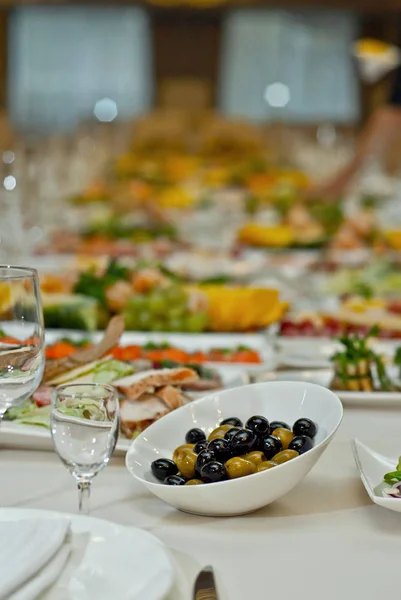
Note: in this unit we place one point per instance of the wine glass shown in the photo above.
(84, 426)
(22, 339)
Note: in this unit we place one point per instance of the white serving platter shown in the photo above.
(261, 342)
(372, 467)
(34, 437)
(324, 376)
(314, 352)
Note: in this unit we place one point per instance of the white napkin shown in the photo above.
(45, 578)
(32, 555)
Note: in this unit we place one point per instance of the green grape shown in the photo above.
(196, 323)
(176, 312)
(144, 320)
(138, 302)
(157, 304)
(176, 324)
(158, 325)
(130, 320)
(176, 296)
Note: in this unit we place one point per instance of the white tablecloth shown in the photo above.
(325, 539)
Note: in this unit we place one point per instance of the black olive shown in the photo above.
(221, 449)
(278, 425)
(230, 433)
(259, 425)
(271, 446)
(213, 472)
(163, 467)
(301, 443)
(203, 457)
(175, 480)
(202, 445)
(258, 445)
(194, 436)
(304, 427)
(232, 421)
(242, 441)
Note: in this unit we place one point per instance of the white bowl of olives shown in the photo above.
(238, 450)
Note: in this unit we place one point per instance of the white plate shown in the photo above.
(324, 376)
(207, 265)
(34, 437)
(108, 561)
(233, 374)
(372, 467)
(307, 352)
(190, 342)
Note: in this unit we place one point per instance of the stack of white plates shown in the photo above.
(65, 557)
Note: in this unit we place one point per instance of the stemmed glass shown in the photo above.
(22, 338)
(84, 426)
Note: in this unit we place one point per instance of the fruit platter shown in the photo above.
(152, 298)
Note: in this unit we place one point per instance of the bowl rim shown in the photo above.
(209, 397)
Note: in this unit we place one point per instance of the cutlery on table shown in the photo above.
(205, 585)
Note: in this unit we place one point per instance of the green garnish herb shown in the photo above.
(155, 346)
(393, 477)
(75, 343)
(354, 363)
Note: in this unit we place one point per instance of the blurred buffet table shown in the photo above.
(200, 238)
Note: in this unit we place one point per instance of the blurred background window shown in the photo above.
(67, 60)
(295, 65)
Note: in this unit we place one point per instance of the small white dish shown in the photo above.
(107, 560)
(324, 376)
(372, 467)
(306, 352)
(286, 401)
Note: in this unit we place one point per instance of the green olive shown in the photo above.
(284, 456)
(186, 463)
(254, 457)
(219, 432)
(284, 435)
(266, 464)
(239, 467)
(194, 482)
(185, 448)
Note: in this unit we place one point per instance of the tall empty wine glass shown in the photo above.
(85, 426)
(22, 342)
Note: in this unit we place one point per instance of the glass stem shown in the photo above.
(84, 491)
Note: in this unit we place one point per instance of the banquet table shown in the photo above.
(325, 539)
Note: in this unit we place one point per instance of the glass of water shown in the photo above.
(22, 338)
(84, 426)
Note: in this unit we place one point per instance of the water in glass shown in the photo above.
(84, 427)
(22, 343)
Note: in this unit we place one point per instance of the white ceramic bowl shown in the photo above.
(282, 400)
